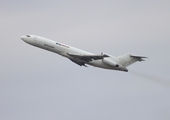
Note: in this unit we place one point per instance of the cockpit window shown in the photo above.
(28, 35)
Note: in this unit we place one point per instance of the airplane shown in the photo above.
(82, 57)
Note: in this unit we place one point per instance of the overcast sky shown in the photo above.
(39, 85)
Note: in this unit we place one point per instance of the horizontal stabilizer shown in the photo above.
(139, 58)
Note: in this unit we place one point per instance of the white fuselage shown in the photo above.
(63, 49)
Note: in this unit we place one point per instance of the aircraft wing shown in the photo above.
(79, 62)
(88, 58)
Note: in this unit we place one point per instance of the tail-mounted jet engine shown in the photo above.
(110, 62)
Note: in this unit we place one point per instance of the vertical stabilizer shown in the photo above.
(128, 59)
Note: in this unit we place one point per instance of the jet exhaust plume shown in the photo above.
(158, 80)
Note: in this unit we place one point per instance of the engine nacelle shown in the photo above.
(110, 62)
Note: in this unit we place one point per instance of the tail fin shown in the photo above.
(128, 59)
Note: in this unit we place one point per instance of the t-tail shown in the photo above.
(128, 59)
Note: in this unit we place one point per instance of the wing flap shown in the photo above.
(78, 62)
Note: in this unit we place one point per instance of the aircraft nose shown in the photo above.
(23, 38)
